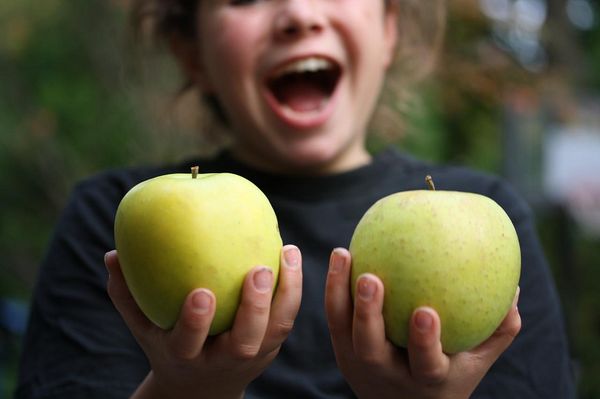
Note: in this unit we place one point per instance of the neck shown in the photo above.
(343, 162)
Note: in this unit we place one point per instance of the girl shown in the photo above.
(295, 83)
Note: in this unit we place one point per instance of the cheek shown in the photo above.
(230, 49)
(362, 26)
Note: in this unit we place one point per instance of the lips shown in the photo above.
(301, 90)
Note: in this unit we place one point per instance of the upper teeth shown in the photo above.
(305, 65)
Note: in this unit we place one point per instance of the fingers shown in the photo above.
(287, 299)
(121, 297)
(493, 347)
(252, 317)
(187, 338)
(428, 364)
(338, 301)
(368, 328)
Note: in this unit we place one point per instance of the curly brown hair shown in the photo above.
(421, 26)
(166, 16)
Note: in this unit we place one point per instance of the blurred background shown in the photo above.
(517, 94)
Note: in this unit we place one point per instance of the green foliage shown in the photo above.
(73, 101)
(591, 42)
(426, 135)
(65, 112)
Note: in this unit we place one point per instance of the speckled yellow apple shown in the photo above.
(456, 252)
(178, 232)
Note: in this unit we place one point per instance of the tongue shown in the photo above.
(302, 97)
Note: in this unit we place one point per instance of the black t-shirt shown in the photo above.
(77, 345)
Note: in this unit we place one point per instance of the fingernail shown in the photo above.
(366, 288)
(337, 261)
(263, 279)
(291, 257)
(423, 321)
(201, 302)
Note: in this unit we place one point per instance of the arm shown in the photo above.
(77, 345)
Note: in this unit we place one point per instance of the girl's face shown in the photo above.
(298, 79)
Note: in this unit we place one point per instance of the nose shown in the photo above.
(298, 18)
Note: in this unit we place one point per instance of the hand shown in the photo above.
(185, 361)
(375, 368)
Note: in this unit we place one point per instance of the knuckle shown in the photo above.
(259, 308)
(362, 314)
(181, 354)
(193, 322)
(432, 376)
(283, 328)
(245, 352)
(290, 289)
(369, 358)
(258, 305)
(420, 344)
(272, 354)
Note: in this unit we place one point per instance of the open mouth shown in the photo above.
(305, 85)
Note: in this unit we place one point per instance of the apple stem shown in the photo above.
(195, 170)
(429, 181)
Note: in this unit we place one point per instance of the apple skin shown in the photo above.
(175, 233)
(453, 251)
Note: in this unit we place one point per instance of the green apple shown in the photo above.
(178, 232)
(456, 252)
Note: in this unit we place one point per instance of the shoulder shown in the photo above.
(121, 179)
(95, 198)
(104, 190)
